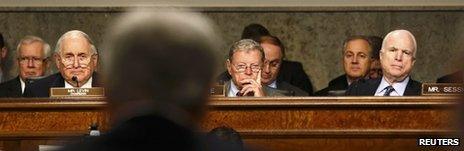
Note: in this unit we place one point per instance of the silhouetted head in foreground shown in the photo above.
(160, 61)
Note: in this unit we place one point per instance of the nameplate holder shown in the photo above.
(217, 91)
(77, 92)
(442, 89)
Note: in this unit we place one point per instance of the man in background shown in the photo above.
(376, 69)
(274, 54)
(76, 58)
(357, 58)
(32, 56)
(397, 59)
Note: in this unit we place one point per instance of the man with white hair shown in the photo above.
(397, 58)
(76, 58)
(32, 56)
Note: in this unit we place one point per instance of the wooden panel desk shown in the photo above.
(300, 123)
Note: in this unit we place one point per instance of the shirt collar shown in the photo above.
(88, 84)
(399, 87)
(23, 85)
(273, 84)
(233, 90)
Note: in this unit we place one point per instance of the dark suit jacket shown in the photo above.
(292, 90)
(11, 89)
(339, 83)
(368, 87)
(148, 132)
(456, 77)
(41, 88)
(293, 73)
(290, 72)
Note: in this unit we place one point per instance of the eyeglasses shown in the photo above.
(242, 68)
(34, 60)
(82, 59)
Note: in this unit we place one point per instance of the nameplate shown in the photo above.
(442, 89)
(77, 92)
(217, 91)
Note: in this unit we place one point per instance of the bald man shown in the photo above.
(397, 58)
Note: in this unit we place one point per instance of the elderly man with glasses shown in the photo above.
(245, 62)
(76, 58)
(32, 61)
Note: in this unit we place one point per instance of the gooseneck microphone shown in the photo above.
(74, 78)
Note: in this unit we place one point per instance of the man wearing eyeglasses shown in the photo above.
(246, 58)
(397, 58)
(32, 59)
(76, 58)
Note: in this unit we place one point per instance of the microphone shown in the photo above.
(74, 78)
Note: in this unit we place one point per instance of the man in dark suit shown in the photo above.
(159, 96)
(397, 58)
(357, 58)
(273, 52)
(291, 72)
(456, 77)
(76, 58)
(245, 65)
(32, 60)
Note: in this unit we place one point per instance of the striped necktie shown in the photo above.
(388, 90)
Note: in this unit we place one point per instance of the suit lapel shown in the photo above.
(58, 82)
(96, 80)
(15, 88)
(373, 85)
(227, 88)
(411, 88)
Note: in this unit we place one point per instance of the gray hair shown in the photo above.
(401, 31)
(31, 39)
(246, 45)
(169, 56)
(75, 33)
(356, 37)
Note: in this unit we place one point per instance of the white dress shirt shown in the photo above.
(273, 84)
(399, 87)
(233, 90)
(23, 85)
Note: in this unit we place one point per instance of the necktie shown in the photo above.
(388, 90)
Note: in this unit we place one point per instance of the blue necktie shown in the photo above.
(388, 90)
